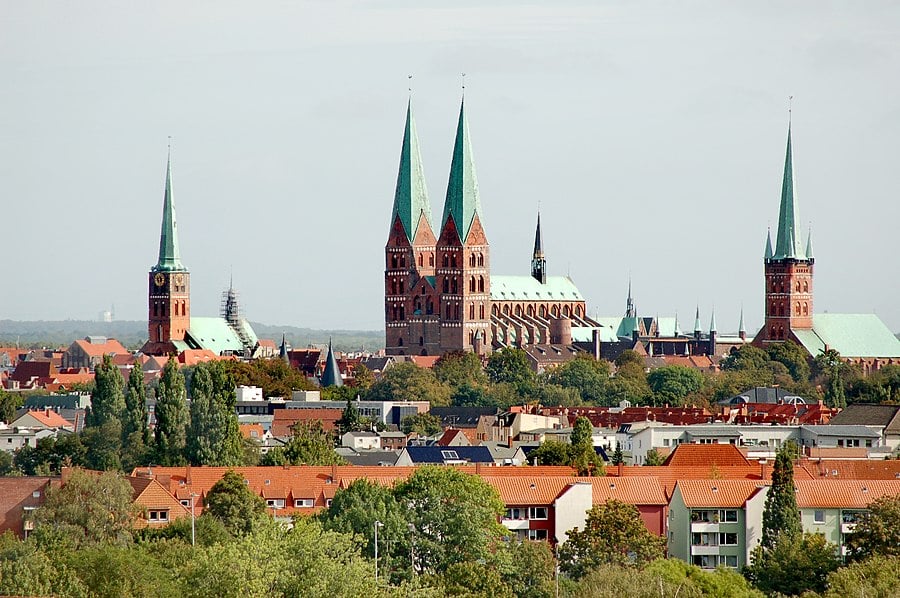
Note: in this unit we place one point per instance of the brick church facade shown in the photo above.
(439, 292)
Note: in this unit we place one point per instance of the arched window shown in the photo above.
(495, 310)
(402, 312)
(429, 307)
(431, 259)
(400, 342)
(518, 310)
(772, 332)
(530, 311)
(472, 284)
(542, 311)
(159, 332)
(480, 259)
(393, 260)
(472, 260)
(471, 311)
(481, 311)
(579, 311)
(506, 309)
(772, 311)
(446, 285)
(481, 284)
(797, 309)
(453, 260)
(421, 259)
(447, 310)
(566, 311)
(421, 341)
(805, 309)
(805, 286)
(555, 311)
(155, 308)
(453, 287)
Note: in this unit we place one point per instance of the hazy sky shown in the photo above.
(651, 133)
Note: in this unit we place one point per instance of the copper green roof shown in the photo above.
(712, 321)
(527, 288)
(462, 201)
(788, 243)
(411, 195)
(697, 327)
(769, 252)
(332, 374)
(809, 251)
(851, 335)
(218, 336)
(169, 256)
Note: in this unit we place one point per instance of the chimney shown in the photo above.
(763, 468)
(478, 468)
(620, 469)
(334, 473)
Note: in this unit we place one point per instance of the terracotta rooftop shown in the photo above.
(854, 494)
(110, 347)
(284, 419)
(49, 418)
(718, 492)
(849, 469)
(705, 455)
(633, 490)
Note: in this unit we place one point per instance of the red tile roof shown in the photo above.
(853, 494)
(633, 490)
(849, 469)
(49, 418)
(16, 494)
(110, 347)
(717, 493)
(424, 361)
(284, 419)
(252, 431)
(705, 455)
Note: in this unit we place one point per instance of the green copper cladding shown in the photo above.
(788, 243)
(411, 195)
(169, 256)
(769, 252)
(809, 249)
(462, 190)
(332, 374)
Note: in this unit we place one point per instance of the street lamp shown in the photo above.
(193, 527)
(412, 548)
(377, 524)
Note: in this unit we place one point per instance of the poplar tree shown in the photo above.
(214, 431)
(135, 419)
(108, 399)
(781, 515)
(171, 416)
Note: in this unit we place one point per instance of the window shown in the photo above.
(728, 516)
(728, 560)
(327, 502)
(537, 534)
(275, 503)
(186, 503)
(818, 516)
(36, 494)
(537, 512)
(304, 503)
(158, 515)
(728, 539)
(449, 455)
(517, 513)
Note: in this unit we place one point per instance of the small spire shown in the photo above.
(697, 326)
(741, 327)
(712, 321)
(677, 329)
(630, 312)
(769, 252)
(538, 240)
(538, 262)
(809, 249)
(332, 374)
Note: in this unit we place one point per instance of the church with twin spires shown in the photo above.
(439, 293)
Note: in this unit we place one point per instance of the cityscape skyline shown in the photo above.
(295, 203)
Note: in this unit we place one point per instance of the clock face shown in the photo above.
(159, 279)
(179, 279)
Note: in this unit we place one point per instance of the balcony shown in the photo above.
(708, 549)
(847, 528)
(516, 524)
(704, 526)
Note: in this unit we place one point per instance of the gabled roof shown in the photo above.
(717, 492)
(216, 335)
(528, 288)
(633, 490)
(462, 417)
(853, 494)
(110, 346)
(861, 414)
(441, 454)
(851, 335)
(857, 469)
(284, 419)
(705, 455)
(46, 417)
(411, 194)
(462, 202)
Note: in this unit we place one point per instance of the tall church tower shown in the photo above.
(169, 295)
(410, 303)
(788, 269)
(463, 277)
(538, 261)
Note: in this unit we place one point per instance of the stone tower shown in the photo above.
(169, 294)
(788, 269)
(462, 275)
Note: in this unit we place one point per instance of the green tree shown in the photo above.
(108, 398)
(350, 420)
(584, 458)
(454, 514)
(510, 366)
(88, 510)
(363, 379)
(274, 376)
(585, 374)
(551, 452)
(671, 384)
(423, 424)
(468, 395)
(653, 458)
(829, 362)
(475, 580)
(780, 513)
(456, 368)
(618, 458)
(310, 444)
(103, 446)
(26, 570)
(877, 532)
(582, 432)
(747, 357)
(797, 563)
(875, 577)
(171, 416)
(136, 435)
(613, 534)
(408, 382)
(9, 402)
(214, 433)
(794, 357)
(234, 504)
(527, 567)
(111, 571)
(692, 580)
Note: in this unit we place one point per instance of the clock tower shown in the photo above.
(169, 294)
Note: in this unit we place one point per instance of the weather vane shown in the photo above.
(410, 82)
(464, 81)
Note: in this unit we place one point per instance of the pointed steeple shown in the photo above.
(538, 263)
(769, 252)
(630, 311)
(169, 256)
(411, 195)
(788, 243)
(742, 331)
(677, 328)
(283, 350)
(712, 321)
(332, 374)
(809, 249)
(462, 201)
(697, 326)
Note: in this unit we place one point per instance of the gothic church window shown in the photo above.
(472, 284)
(481, 284)
(431, 259)
(446, 261)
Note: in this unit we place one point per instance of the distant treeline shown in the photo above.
(133, 334)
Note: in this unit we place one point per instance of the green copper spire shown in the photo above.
(411, 196)
(462, 201)
(769, 252)
(697, 327)
(712, 320)
(809, 251)
(332, 374)
(788, 243)
(741, 324)
(169, 256)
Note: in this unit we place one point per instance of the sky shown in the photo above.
(650, 134)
